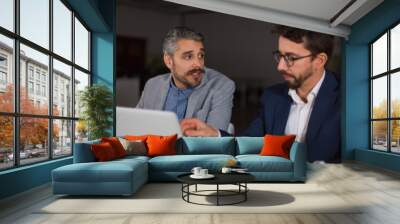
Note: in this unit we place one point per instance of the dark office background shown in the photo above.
(238, 47)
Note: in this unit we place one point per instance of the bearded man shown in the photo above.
(307, 104)
(190, 89)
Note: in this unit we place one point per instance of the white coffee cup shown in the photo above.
(203, 172)
(226, 170)
(196, 170)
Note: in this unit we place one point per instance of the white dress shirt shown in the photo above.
(300, 112)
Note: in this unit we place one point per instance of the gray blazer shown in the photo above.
(211, 101)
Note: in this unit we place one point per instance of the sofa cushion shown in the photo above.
(185, 163)
(206, 145)
(112, 171)
(249, 145)
(132, 157)
(257, 163)
(83, 152)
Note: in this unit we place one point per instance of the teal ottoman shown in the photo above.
(118, 177)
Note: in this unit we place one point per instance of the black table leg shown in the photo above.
(182, 190)
(185, 188)
(217, 194)
(245, 193)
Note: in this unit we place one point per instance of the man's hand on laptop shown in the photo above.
(196, 127)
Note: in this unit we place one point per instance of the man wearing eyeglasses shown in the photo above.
(306, 105)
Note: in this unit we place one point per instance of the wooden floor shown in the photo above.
(353, 182)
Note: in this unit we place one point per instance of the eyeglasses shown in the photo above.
(289, 59)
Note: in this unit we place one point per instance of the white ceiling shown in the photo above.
(321, 9)
(316, 15)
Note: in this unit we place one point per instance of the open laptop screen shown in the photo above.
(132, 121)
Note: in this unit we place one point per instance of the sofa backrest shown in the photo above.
(83, 152)
(206, 145)
(191, 146)
(249, 145)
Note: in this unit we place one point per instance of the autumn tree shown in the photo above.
(380, 127)
(6, 122)
(33, 131)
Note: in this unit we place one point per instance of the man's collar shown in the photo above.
(176, 89)
(316, 88)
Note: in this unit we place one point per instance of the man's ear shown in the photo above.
(168, 60)
(321, 60)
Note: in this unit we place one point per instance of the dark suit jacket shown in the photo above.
(323, 132)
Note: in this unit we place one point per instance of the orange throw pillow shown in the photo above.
(277, 145)
(161, 145)
(103, 151)
(116, 145)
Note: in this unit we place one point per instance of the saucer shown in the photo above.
(208, 176)
(240, 171)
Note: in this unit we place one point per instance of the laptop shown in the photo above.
(133, 121)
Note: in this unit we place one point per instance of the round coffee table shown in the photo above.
(238, 179)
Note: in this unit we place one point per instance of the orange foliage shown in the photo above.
(33, 130)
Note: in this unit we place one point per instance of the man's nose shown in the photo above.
(281, 65)
(198, 62)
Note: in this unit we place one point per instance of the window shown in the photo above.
(35, 22)
(62, 30)
(81, 81)
(3, 61)
(38, 75)
(3, 78)
(44, 91)
(30, 87)
(39, 81)
(7, 14)
(38, 89)
(3, 81)
(3, 72)
(385, 91)
(6, 80)
(43, 77)
(62, 75)
(30, 72)
(81, 45)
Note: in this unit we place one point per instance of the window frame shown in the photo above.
(388, 74)
(16, 115)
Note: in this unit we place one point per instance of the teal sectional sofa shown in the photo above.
(125, 176)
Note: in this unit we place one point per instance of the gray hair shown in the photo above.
(177, 33)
